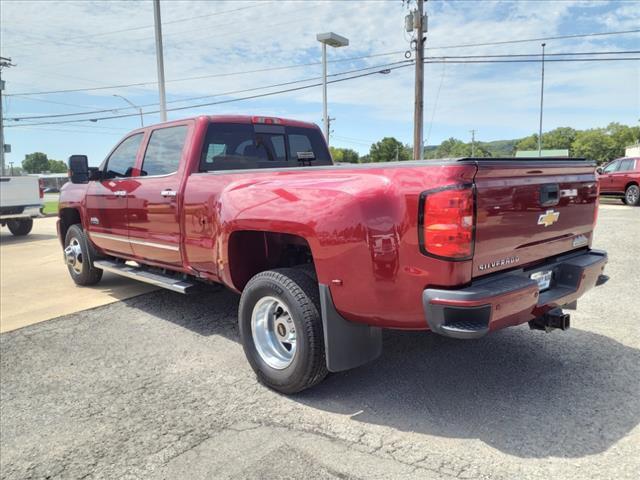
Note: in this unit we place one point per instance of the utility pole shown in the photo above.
(473, 143)
(329, 131)
(541, 105)
(4, 63)
(160, 59)
(420, 25)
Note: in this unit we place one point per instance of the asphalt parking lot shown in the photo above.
(156, 386)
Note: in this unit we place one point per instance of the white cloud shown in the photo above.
(60, 45)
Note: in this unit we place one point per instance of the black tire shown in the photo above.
(20, 226)
(632, 195)
(83, 272)
(300, 293)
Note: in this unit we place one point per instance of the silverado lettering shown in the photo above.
(498, 263)
(325, 256)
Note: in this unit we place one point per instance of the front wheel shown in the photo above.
(281, 329)
(20, 227)
(78, 257)
(632, 195)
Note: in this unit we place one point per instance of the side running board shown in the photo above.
(142, 275)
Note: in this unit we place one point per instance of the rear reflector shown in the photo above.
(446, 222)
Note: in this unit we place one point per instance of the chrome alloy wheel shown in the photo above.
(274, 333)
(73, 255)
(632, 195)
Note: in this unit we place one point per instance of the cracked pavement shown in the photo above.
(157, 386)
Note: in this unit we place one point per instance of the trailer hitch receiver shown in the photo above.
(553, 319)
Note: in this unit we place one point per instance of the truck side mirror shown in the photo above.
(599, 170)
(78, 169)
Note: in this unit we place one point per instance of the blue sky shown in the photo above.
(88, 44)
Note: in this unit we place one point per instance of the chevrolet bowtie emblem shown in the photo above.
(549, 218)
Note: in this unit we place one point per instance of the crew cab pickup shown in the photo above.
(326, 256)
(20, 202)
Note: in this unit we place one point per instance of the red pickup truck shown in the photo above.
(325, 256)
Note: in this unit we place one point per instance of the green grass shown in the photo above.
(50, 207)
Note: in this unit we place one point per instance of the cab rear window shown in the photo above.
(233, 146)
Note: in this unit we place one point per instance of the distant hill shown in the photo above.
(497, 148)
(501, 148)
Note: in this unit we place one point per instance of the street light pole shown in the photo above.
(336, 41)
(325, 113)
(541, 105)
(133, 105)
(160, 59)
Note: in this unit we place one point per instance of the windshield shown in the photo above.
(231, 146)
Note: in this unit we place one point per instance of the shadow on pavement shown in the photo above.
(525, 393)
(9, 239)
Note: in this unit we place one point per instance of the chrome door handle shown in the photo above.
(120, 193)
(168, 193)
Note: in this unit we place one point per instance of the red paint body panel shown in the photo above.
(360, 222)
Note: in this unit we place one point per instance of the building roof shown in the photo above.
(543, 153)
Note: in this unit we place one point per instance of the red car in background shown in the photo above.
(621, 178)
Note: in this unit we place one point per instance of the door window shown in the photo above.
(626, 165)
(121, 162)
(164, 151)
(612, 167)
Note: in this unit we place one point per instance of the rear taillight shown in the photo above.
(41, 187)
(446, 222)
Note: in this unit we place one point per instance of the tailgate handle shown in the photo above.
(549, 195)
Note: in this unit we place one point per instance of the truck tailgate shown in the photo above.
(531, 209)
(19, 192)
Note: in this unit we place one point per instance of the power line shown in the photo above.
(144, 27)
(139, 84)
(98, 132)
(58, 115)
(540, 39)
(318, 84)
(231, 100)
(447, 58)
(538, 61)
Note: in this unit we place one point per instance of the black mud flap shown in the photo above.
(347, 344)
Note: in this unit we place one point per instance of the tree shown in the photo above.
(57, 166)
(596, 145)
(623, 136)
(346, 155)
(388, 150)
(452, 148)
(36, 162)
(528, 143)
(560, 138)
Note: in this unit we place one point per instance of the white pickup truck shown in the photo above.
(20, 202)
